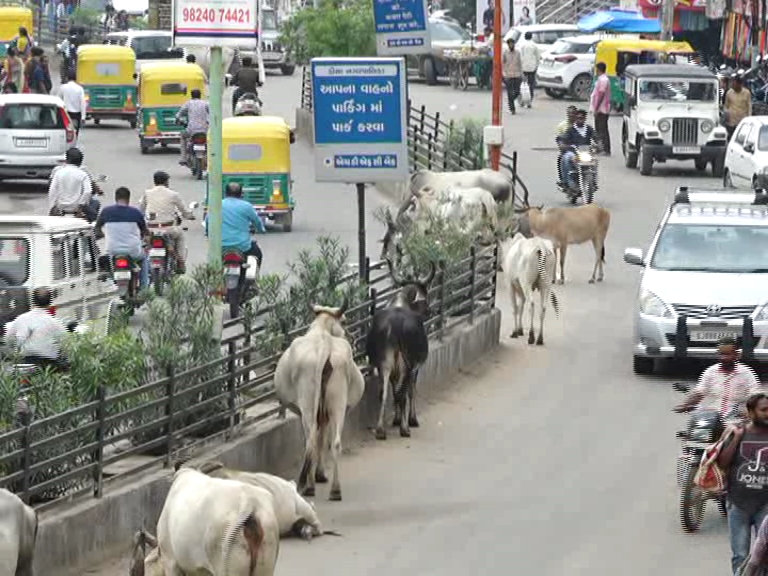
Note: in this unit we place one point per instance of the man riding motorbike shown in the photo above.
(247, 80)
(579, 134)
(71, 189)
(562, 128)
(194, 115)
(237, 218)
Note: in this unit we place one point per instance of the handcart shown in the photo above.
(463, 65)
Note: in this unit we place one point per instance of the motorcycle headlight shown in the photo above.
(707, 126)
(701, 434)
(652, 305)
(664, 125)
(585, 157)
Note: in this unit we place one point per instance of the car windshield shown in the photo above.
(567, 47)
(711, 248)
(448, 32)
(268, 20)
(676, 91)
(14, 261)
(762, 138)
(31, 117)
(155, 48)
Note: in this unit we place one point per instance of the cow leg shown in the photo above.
(322, 447)
(402, 404)
(385, 370)
(413, 422)
(398, 416)
(599, 247)
(306, 483)
(563, 250)
(542, 313)
(531, 335)
(518, 330)
(334, 431)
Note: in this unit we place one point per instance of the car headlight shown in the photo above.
(664, 126)
(707, 126)
(652, 305)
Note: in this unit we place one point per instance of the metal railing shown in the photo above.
(569, 11)
(115, 435)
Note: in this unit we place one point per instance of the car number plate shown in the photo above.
(233, 270)
(157, 252)
(199, 147)
(272, 56)
(30, 142)
(686, 150)
(122, 274)
(709, 335)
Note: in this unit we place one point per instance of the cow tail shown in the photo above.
(555, 303)
(253, 533)
(545, 281)
(322, 375)
(602, 254)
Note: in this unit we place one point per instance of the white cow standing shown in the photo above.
(18, 533)
(217, 527)
(317, 378)
(529, 265)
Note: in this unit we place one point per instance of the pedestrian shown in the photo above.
(530, 56)
(757, 563)
(601, 107)
(738, 104)
(512, 70)
(14, 67)
(23, 43)
(747, 498)
(34, 77)
(75, 103)
(46, 70)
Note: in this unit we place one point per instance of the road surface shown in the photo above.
(538, 460)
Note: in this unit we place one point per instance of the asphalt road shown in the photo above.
(538, 460)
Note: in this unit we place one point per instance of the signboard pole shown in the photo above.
(361, 248)
(216, 88)
(496, 119)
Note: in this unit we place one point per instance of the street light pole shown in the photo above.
(216, 89)
(496, 106)
(667, 19)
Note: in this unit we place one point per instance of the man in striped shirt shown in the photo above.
(194, 114)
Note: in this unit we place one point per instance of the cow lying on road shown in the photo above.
(18, 534)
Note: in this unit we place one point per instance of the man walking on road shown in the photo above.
(601, 107)
(512, 70)
(738, 105)
(73, 96)
(530, 56)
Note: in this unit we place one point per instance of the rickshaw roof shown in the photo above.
(251, 127)
(44, 224)
(638, 45)
(14, 11)
(171, 71)
(97, 51)
(669, 70)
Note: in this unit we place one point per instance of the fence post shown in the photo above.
(495, 276)
(441, 317)
(98, 472)
(473, 271)
(231, 387)
(374, 294)
(430, 147)
(170, 390)
(25, 419)
(367, 270)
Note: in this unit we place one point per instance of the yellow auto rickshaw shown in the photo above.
(11, 18)
(107, 75)
(618, 53)
(256, 152)
(163, 88)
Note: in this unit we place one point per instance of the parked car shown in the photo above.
(747, 154)
(567, 67)
(702, 279)
(35, 133)
(445, 35)
(544, 35)
(273, 54)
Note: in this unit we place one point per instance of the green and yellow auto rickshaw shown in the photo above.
(11, 18)
(256, 152)
(164, 87)
(107, 75)
(618, 53)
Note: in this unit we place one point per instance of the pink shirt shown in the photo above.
(601, 95)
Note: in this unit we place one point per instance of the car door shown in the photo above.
(749, 155)
(737, 166)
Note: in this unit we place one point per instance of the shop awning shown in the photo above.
(617, 20)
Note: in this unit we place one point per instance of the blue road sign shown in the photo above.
(359, 108)
(401, 27)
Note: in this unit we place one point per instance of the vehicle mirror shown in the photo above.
(633, 256)
(749, 147)
(632, 101)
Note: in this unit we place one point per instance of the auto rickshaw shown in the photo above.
(163, 88)
(256, 152)
(618, 53)
(107, 75)
(11, 18)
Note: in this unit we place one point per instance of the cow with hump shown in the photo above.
(214, 526)
(397, 346)
(317, 378)
(18, 534)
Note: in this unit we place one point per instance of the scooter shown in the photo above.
(198, 154)
(240, 276)
(162, 258)
(249, 104)
(126, 274)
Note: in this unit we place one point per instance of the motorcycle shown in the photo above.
(249, 104)
(585, 173)
(704, 428)
(126, 274)
(240, 276)
(198, 154)
(162, 259)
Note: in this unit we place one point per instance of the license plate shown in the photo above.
(199, 147)
(233, 270)
(709, 336)
(122, 274)
(267, 56)
(31, 142)
(157, 252)
(686, 149)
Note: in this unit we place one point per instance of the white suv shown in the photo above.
(544, 35)
(35, 134)
(567, 67)
(747, 154)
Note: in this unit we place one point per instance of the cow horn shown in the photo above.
(343, 308)
(395, 278)
(431, 275)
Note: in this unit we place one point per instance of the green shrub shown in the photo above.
(465, 141)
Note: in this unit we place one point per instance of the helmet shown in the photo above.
(248, 105)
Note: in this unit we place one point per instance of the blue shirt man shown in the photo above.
(124, 226)
(237, 218)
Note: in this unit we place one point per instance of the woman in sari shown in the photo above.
(14, 68)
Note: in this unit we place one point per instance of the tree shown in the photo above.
(335, 28)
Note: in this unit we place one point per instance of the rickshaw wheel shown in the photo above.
(97, 121)
(143, 146)
(464, 77)
(133, 124)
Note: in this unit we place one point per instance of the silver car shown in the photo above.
(705, 277)
(35, 133)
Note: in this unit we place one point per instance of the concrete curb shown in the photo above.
(304, 127)
(75, 537)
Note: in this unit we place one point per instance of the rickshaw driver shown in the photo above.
(237, 217)
(197, 116)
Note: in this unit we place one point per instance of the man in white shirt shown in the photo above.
(71, 189)
(73, 96)
(530, 55)
(37, 334)
(724, 386)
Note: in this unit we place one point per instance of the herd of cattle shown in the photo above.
(317, 377)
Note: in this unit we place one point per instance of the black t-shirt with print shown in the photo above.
(748, 473)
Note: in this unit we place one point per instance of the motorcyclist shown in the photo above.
(579, 134)
(237, 218)
(71, 189)
(194, 115)
(247, 80)
(68, 51)
(724, 386)
(560, 131)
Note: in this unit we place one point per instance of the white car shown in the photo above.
(567, 67)
(35, 134)
(544, 35)
(747, 154)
